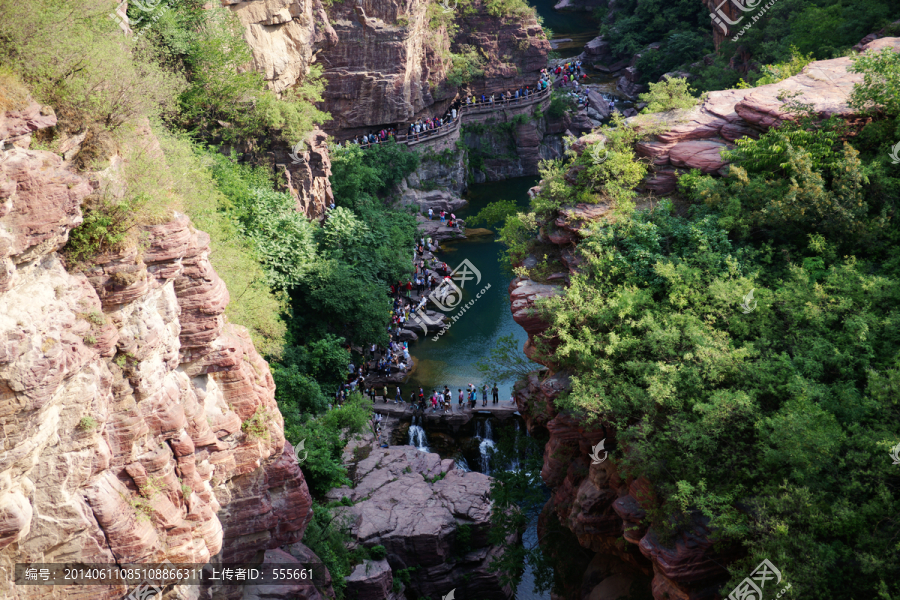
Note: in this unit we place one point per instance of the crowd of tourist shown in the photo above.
(372, 138)
(570, 72)
(422, 128)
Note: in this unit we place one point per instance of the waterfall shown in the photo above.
(515, 458)
(462, 464)
(487, 446)
(417, 436)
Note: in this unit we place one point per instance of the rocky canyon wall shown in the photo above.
(515, 49)
(284, 36)
(390, 63)
(387, 66)
(125, 396)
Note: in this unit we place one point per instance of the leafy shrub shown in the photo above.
(619, 173)
(671, 94)
(283, 236)
(465, 66)
(377, 552)
(257, 426)
(560, 103)
(324, 438)
(140, 192)
(880, 89)
(494, 212)
(328, 536)
(207, 43)
(13, 93)
(781, 71)
(88, 423)
(517, 9)
(74, 57)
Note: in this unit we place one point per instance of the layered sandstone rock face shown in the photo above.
(122, 397)
(284, 36)
(307, 168)
(694, 139)
(386, 67)
(515, 48)
(390, 63)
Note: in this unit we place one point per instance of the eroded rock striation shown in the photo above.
(695, 138)
(284, 36)
(124, 392)
(380, 70)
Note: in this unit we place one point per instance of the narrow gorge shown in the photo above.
(654, 351)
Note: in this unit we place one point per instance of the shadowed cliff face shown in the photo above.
(389, 65)
(516, 49)
(381, 69)
(123, 392)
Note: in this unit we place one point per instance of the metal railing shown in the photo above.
(476, 108)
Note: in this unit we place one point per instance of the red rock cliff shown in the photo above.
(122, 395)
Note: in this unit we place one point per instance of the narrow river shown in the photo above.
(452, 359)
(577, 26)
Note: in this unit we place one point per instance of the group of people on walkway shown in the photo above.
(422, 128)
(371, 138)
(510, 96)
(425, 127)
(442, 400)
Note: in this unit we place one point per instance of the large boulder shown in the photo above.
(370, 580)
(413, 503)
(524, 293)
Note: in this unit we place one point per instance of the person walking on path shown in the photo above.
(399, 398)
(484, 395)
(430, 214)
(460, 400)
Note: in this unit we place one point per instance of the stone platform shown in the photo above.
(451, 421)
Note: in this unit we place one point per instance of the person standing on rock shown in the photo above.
(495, 392)
(430, 214)
(484, 395)
(399, 397)
(385, 396)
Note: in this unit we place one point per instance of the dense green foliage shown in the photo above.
(772, 414)
(207, 42)
(823, 28)
(465, 66)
